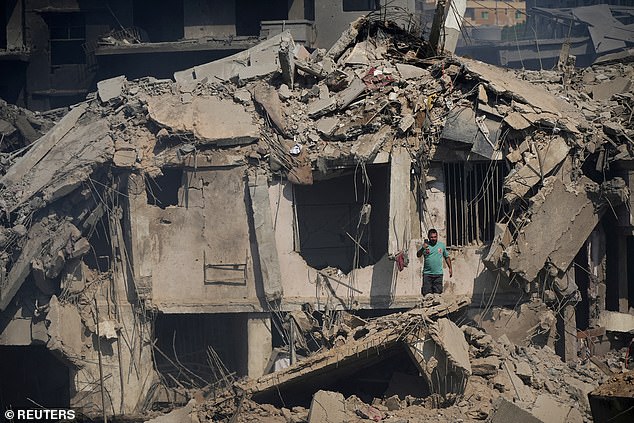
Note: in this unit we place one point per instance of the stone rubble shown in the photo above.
(290, 116)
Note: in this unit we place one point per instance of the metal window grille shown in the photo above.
(473, 193)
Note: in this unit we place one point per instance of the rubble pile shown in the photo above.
(289, 113)
(528, 379)
(21, 127)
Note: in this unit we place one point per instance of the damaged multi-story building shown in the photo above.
(52, 52)
(167, 235)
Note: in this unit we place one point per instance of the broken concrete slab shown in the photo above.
(613, 321)
(504, 82)
(606, 90)
(184, 414)
(365, 349)
(411, 71)
(517, 121)
(18, 171)
(112, 88)
(442, 356)
(322, 106)
(229, 68)
(212, 120)
(505, 411)
(368, 145)
(42, 237)
(266, 97)
(548, 156)
(351, 93)
(550, 410)
(65, 330)
(327, 407)
(560, 223)
(327, 125)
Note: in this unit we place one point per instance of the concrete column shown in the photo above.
(570, 334)
(399, 230)
(624, 303)
(259, 343)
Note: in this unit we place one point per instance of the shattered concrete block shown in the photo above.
(6, 128)
(81, 247)
(485, 366)
(550, 410)
(242, 96)
(327, 407)
(286, 58)
(368, 145)
(125, 158)
(607, 89)
(614, 321)
(109, 89)
(559, 226)
(517, 121)
(39, 333)
(327, 125)
(579, 390)
(54, 265)
(185, 414)
(505, 411)
(346, 97)
(411, 71)
(65, 329)
(549, 155)
(284, 93)
(393, 403)
(321, 107)
(524, 371)
(441, 354)
(258, 71)
(211, 120)
(406, 123)
(266, 97)
(73, 278)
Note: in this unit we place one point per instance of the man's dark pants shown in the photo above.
(432, 284)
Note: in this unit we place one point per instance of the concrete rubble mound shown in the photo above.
(72, 271)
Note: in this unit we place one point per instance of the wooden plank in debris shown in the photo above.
(265, 236)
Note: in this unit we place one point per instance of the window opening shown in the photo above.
(473, 191)
(67, 36)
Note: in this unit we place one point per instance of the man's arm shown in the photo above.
(448, 261)
(422, 249)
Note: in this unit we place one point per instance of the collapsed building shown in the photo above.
(167, 236)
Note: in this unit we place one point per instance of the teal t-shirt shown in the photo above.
(433, 255)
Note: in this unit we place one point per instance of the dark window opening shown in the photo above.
(4, 12)
(249, 14)
(473, 193)
(165, 190)
(100, 254)
(329, 213)
(193, 349)
(368, 376)
(67, 36)
(32, 378)
(361, 5)
(161, 20)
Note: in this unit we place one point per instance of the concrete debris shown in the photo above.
(110, 89)
(109, 210)
(327, 407)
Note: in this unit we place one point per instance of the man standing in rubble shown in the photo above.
(433, 251)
